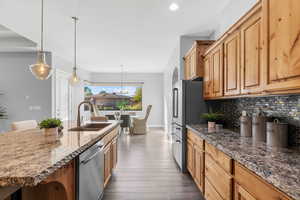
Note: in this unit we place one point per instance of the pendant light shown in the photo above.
(74, 78)
(41, 70)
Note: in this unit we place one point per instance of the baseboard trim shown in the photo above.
(156, 126)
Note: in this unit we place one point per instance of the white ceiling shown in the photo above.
(140, 34)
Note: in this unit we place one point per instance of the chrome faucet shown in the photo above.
(78, 112)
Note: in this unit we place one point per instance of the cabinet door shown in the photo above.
(232, 64)
(199, 167)
(187, 68)
(193, 62)
(242, 194)
(282, 24)
(217, 73)
(107, 164)
(252, 55)
(190, 157)
(207, 77)
(114, 153)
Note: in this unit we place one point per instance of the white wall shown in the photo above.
(152, 91)
(231, 14)
(77, 91)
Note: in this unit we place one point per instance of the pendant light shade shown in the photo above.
(41, 70)
(74, 80)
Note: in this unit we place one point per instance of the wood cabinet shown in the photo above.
(282, 22)
(107, 163)
(219, 177)
(195, 159)
(110, 159)
(210, 192)
(248, 182)
(217, 71)
(252, 54)
(215, 173)
(190, 157)
(232, 64)
(242, 194)
(213, 74)
(261, 53)
(193, 60)
(207, 79)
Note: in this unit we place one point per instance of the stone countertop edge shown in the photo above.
(286, 182)
(35, 180)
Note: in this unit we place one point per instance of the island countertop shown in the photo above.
(277, 166)
(29, 157)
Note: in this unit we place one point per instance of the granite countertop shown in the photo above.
(29, 157)
(278, 166)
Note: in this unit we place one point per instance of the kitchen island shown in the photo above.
(30, 159)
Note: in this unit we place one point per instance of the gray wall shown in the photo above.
(25, 97)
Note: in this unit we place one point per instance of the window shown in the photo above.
(113, 96)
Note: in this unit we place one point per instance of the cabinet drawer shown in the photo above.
(195, 139)
(221, 158)
(218, 177)
(210, 192)
(255, 185)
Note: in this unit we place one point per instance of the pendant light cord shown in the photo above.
(42, 26)
(75, 42)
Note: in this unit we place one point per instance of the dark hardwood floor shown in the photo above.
(146, 171)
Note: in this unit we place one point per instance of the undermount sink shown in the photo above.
(90, 127)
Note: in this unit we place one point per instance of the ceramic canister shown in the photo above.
(246, 127)
(259, 128)
(277, 134)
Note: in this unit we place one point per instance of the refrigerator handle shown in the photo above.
(175, 102)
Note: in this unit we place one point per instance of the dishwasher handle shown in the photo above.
(100, 148)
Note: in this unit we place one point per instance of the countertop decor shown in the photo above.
(28, 157)
(278, 166)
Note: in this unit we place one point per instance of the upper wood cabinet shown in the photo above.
(213, 73)
(193, 60)
(252, 57)
(217, 71)
(282, 22)
(207, 79)
(232, 64)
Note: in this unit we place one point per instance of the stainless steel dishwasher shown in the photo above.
(91, 173)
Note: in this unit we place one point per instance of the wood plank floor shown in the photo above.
(146, 171)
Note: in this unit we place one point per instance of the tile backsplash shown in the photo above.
(285, 108)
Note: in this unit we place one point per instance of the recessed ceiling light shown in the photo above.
(174, 7)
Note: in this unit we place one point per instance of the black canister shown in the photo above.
(277, 134)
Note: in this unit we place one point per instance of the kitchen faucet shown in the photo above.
(78, 112)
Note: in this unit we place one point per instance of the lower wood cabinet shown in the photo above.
(250, 185)
(195, 159)
(210, 192)
(242, 194)
(218, 177)
(110, 159)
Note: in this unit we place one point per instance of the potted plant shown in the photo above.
(51, 126)
(213, 118)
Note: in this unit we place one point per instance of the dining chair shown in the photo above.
(24, 125)
(139, 125)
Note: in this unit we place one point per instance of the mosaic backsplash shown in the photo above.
(284, 108)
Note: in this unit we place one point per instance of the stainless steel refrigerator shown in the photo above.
(188, 105)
